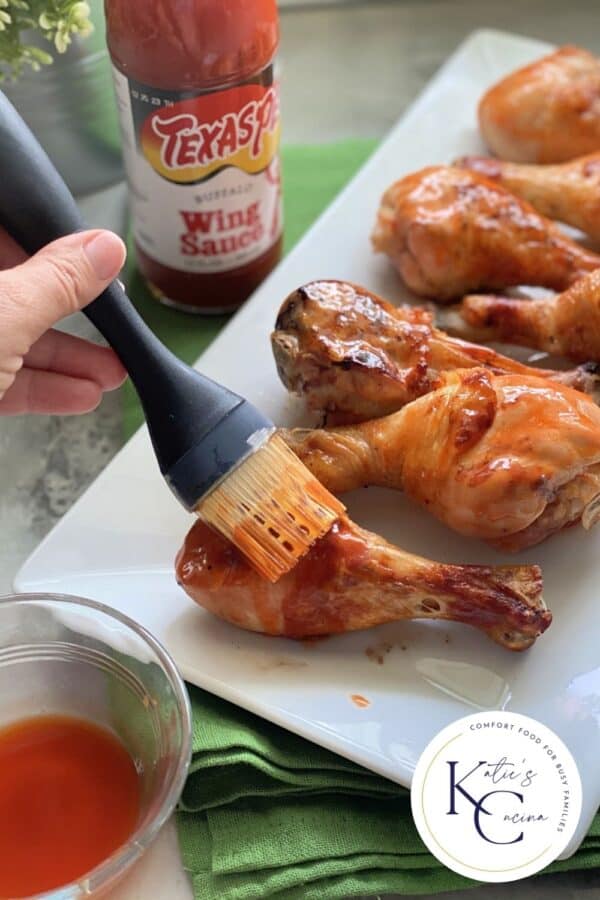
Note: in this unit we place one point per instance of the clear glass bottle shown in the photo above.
(199, 113)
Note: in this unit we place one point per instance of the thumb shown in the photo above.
(61, 279)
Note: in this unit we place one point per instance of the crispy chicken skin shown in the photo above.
(567, 324)
(547, 112)
(449, 232)
(353, 356)
(569, 192)
(509, 459)
(352, 579)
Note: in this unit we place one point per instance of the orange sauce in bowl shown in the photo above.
(69, 797)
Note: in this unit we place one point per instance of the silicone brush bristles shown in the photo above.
(272, 508)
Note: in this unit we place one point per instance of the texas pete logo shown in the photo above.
(496, 796)
(193, 139)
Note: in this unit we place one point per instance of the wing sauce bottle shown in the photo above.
(199, 113)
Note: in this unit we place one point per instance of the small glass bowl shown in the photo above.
(70, 656)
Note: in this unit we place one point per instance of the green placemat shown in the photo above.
(265, 813)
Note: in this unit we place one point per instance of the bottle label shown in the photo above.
(203, 172)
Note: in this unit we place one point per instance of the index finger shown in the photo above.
(11, 254)
(66, 354)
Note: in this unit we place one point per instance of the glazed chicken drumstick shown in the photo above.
(450, 232)
(569, 192)
(354, 356)
(509, 459)
(352, 579)
(567, 324)
(547, 112)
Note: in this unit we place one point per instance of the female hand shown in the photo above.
(43, 370)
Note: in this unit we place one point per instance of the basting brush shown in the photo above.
(221, 457)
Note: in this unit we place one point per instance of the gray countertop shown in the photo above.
(348, 69)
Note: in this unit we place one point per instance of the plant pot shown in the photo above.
(70, 107)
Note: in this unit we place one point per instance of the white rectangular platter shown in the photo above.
(117, 544)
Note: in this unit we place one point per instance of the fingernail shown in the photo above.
(106, 252)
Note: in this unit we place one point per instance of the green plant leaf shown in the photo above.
(57, 20)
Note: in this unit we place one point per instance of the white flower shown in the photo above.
(62, 40)
(79, 19)
(81, 10)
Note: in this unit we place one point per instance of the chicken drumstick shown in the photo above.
(509, 459)
(352, 579)
(354, 356)
(547, 112)
(569, 192)
(450, 231)
(567, 324)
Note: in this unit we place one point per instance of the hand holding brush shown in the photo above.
(217, 452)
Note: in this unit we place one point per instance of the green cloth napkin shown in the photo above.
(265, 813)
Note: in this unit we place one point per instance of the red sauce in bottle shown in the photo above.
(69, 797)
(199, 116)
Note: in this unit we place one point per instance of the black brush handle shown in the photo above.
(181, 406)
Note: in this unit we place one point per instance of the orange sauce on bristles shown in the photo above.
(69, 797)
(272, 508)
